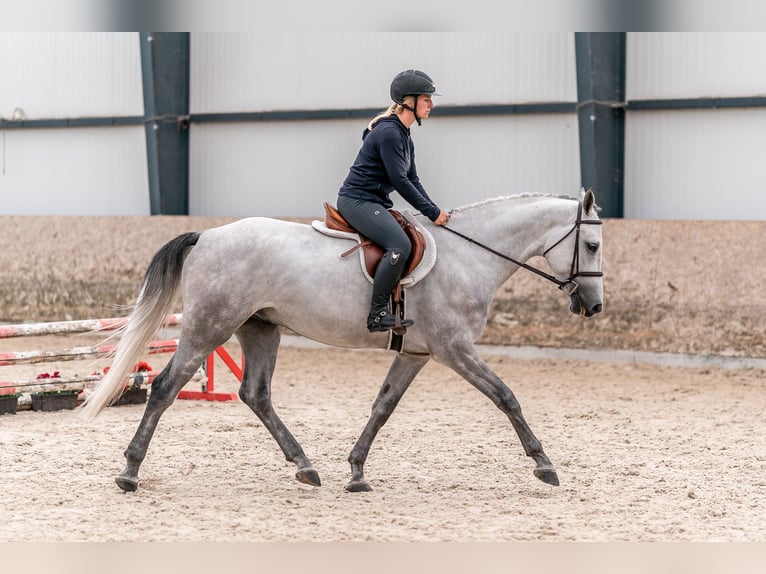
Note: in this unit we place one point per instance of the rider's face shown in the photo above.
(425, 105)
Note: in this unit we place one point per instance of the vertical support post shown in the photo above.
(209, 384)
(600, 60)
(165, 73)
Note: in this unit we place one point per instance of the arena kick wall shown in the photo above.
(670, 286)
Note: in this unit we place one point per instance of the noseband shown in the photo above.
(570, 286)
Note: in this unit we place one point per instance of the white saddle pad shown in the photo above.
(425, 265)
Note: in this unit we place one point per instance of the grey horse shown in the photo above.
(252, 277)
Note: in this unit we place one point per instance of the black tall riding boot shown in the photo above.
(388, 273)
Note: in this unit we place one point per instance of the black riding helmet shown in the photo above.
(412, 83)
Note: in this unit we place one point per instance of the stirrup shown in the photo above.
(384, 321)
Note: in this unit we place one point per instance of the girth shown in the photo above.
(373, 253)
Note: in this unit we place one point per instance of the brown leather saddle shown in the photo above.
(374, 253)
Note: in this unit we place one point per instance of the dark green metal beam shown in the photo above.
(165, 72)
(601, 106)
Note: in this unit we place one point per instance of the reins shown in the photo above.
(569, 286)
(506, 257)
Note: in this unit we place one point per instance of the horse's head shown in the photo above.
(575, 258)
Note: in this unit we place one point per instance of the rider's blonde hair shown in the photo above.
(392, 109)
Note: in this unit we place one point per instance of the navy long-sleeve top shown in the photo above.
(386, 162)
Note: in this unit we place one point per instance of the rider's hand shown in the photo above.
(442, 219)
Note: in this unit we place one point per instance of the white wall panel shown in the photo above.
(277, 71)
(82, 171)
(696, 164)
(290, 168)
(692, 65)
(462, 160)
(268, 168)
(57, 75)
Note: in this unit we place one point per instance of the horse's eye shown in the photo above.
(592, 246)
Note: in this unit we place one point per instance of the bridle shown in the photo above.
(569, 286)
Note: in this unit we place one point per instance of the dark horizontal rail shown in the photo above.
(331, 114)
(697, 103)
(283, 115)
(72, 122)
(470, 110)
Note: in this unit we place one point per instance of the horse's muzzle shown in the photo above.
(578, 306)
(596, 309)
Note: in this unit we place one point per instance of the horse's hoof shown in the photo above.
(127, 483)
(358, 486)
(547, 475)
(308, 476)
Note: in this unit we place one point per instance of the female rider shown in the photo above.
(386, 162)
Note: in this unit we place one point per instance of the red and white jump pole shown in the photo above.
(67, 383)
(76, 353)
(82, 326)
(98, 325)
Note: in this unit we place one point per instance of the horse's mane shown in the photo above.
(525, 195)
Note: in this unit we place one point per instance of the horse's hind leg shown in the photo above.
(260, 345)
(465, 361)
(403, 371)
(165, 388)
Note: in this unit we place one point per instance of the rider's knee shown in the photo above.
(398, 256)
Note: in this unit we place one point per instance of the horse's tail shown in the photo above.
(155, 298)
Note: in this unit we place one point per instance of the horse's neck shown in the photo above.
(519, 227)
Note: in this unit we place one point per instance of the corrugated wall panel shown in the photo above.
(256, 72)
(696, 165)
(56, 75)
(82, 171)
(290, 168)
(692, 65)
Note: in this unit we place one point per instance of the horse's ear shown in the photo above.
(588, 201)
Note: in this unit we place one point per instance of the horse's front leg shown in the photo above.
(465, 360)
(403, 371)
